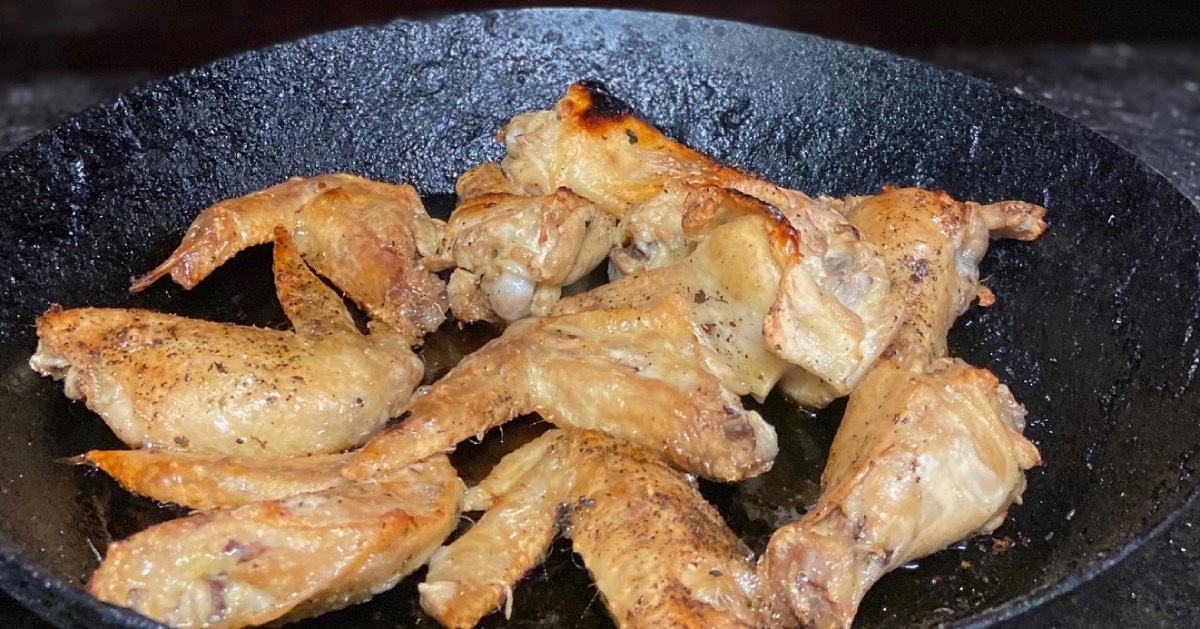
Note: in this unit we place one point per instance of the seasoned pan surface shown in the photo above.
(1092, 329)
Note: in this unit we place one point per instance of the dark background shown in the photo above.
(37, 36)
(1130, 70)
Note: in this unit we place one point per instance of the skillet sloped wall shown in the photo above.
(1092, 328)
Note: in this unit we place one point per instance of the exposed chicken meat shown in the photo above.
(930, 450)
(210, 481)
(514, 253)
(367, 237)
(284, 560)
(185, 384)
(638, 373)
(660, 555)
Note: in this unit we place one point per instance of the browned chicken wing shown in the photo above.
(185, 384)
(933, 245)
(367, 237)
(640, 374)
(834, 313)
(660, 555)
(930, 450)
(210, 481)
(513, 254)
(752, 300)
(284, 560)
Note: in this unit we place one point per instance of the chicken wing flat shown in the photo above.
(169, 382)
(930, 449)
(523, 499)
(835, 312)
(207, 481)
(286, 559)
(365, 236)
(659, 553)
(640, 374)
(513, 254)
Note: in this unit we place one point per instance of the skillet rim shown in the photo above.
(49, 596)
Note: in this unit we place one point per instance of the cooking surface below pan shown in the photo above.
(1090, 330)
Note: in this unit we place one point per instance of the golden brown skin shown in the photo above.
(164, 381)
(930, 449)
(207, 481)
(834, 311)
(515, 253)
(523, 498)
(924, 457)
(595, 145)
(659, 553)
(753, 299)
(367, 237)
(933, 245)
(284, 560)
(640, 374)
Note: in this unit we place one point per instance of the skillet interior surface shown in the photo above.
(1092, 329)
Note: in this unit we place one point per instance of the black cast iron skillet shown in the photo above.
(1093, 327)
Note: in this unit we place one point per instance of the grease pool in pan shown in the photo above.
(1090, 329)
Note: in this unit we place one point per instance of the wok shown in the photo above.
(1093, 327)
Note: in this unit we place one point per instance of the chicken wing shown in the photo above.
(923, 458)
(513, 254)
(835, 312)
(594, 144)
(660, 555)
(284, 560)
(753, 299)
(207, 481)
(648, 379)
(185, 384)
(367, 237)
(933, 245)
(930, 449)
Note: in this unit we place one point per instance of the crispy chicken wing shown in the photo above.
(212, 481)
(660, 555)
(752, 298)
(594, 144)
(184, 384)
(834, 312)
(284, 559)
(637, 373)
(924, 457)
(367, 237)
(933, 245)
(513, 254)
(930, 450)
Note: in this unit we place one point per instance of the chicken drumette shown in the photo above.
(513, 254)
(930, 450)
